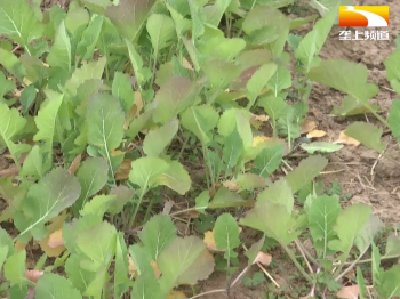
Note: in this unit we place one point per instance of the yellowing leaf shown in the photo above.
(344, 139)
(307, 126)
(187, 65)
(56, 239)
(138, 102)
(19, 246)
(263, 258)
(132, 267)
(316, 134)
(210, 241)
(123, 171)
(232, 185)
(259, 139)
(176, 295)
(349, 292)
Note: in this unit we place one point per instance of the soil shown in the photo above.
(369, 177)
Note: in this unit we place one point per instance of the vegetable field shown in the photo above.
(162, 149)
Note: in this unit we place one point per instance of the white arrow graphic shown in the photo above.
(373, 19)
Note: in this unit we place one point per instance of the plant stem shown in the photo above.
(308, 254)
(208, 292)
(132, 219)
(296, 263)
(351, 266)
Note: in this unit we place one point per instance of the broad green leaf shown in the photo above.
(129, 16)
(272, 219)
(146, 287)
(105, 120)
(311, 44)
(321, 147)
(259, 17)
(233, 148)
(12, 64)
(182, 24)
(97, 206)
(60, 53)
(87, 44)
(95, 287)
(244, 128)
(280, 80)
(77, 275)
(226, 199)
(92, 70)
(92, 175)
(258, 81)
(122, 90)
(198, 27)
(201, 201)
(390, 283)
(142, 260)
(175, 96)
(392, 68)
(361, 284)
(27, 97)
(220, 73)
(14, 268)
(3, 254)
(121, 272)
(10, 125)
(33, 163)
(275, 107)
(222, 6)
(278, 193)
(5, 85)
(55, 192)
(269, 159)
(157, 234)
(200, 120)
(98, 243)
(249, 181)
(123, 196)
(226, 234)
(157, 140)
(368, 232)
(323, 213)
(307, 170)
(367, 134)
(348, 225)
(46, 122)
(142, 73)
(222, 48)
(176, 177)
(392, 245)
(161, 29)
(52, 286)
(351, 106)
(18, 22)
(394, 118)
(184, 261)
(345, 76)
(76, 18)
(146, 171)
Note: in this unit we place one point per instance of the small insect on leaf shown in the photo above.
(316, 134)
(344, 139)
(349, 292)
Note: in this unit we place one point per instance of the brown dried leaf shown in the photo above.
(344, 139)
(316, 134)
(167, 207)
(232, 185)
(307, 126)
(138, 102)
(123, 171)
(75, 164)
(210, 241)
(263, 258)
(56, 224)
(33, 275)
(56, 239)
(349, 292)
(176, 295)
(132, 267)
